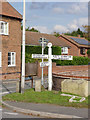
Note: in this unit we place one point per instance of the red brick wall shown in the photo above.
(58, 69)
(73, 50)
(11, 43)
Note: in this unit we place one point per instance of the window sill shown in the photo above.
(64, 53)
(4, 34)
(11, 65)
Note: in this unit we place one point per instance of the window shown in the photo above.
(64, 50)
(11, 58)
(82, 51)
(0, 59)
(3, 28)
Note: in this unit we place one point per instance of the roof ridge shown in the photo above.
(41, 33)
(73, 36)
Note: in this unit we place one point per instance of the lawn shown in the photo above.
(50, 97)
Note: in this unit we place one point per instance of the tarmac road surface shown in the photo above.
(6, 113)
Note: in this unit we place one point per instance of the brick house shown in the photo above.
(10, 42)
(78, 46)
(70, 45)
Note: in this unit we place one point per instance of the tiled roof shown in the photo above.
(79, 41)
(33, 37)
(6, 9)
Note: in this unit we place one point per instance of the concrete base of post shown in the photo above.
(38, 85)
(17, 86)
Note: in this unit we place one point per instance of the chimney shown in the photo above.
(79, 35)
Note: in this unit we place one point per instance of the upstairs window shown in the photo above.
(11, 58)
(0, 59)
(64, 50)
(3, 28)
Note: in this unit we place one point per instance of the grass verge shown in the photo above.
(50, 97)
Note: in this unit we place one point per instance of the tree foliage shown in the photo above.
(32, 29)
(28, 29)
(86, 32)
(75, 33)
(56, 34)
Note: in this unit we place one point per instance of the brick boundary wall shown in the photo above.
(58, 69)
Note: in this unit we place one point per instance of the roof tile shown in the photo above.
(8, 10)
(33, 37)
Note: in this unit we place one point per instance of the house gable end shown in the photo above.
(8, 10)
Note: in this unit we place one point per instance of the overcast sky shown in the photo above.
(49, 17)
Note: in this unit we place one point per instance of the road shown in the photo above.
(8, 88)
(11, 87)
(6, 113)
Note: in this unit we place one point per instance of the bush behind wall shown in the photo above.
(56, 50)
(29, 50)
(76, 61)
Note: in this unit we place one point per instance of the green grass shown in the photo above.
(50, 97)
(77, 99)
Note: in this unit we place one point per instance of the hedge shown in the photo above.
(76, 61)
(88, 52)
(56, 50)
(29, 50)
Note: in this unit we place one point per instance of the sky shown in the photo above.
(49, 17)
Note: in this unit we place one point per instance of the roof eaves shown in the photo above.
(11, 17)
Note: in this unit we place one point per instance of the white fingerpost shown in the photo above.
(49, 63)
(50, 67)
(43, 42)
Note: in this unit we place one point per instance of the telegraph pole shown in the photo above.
(23, 51)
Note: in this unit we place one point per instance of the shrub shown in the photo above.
(88, 52)
(33, 49)
(76, 61)
(56, 50)
(29, 50)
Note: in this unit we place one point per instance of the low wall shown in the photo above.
(58, 69)
(78, 87)
(57, 80)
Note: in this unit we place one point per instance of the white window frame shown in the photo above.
(64, 50)
(0, 59)
(5, 31)
(11, 65)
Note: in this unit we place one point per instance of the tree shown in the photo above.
(56, 34)
(86, 31)
(75, 33)
(34, 30)
(28, 29)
